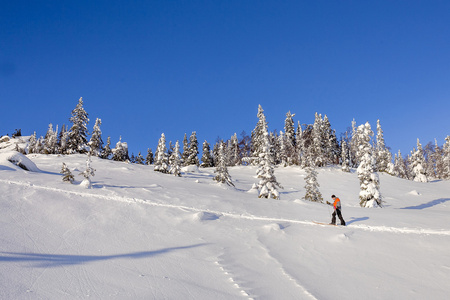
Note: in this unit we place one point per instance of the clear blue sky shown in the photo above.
(147, 67)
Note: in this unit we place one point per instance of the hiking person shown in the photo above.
(337, 210)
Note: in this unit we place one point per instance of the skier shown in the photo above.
(337, 210)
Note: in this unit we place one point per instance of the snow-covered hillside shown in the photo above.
(140, 234)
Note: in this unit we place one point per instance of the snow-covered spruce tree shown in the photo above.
(175, 160)
(207, 161)
(317, 147)
(417, 164)
(275, 147)
(258, 136)
(446, 158)
(299, 145)
(369, 194)
(106, 153)
(77, 139)
(62, 140)
(120, 152)
(192, 159)
(400, 169)
(139, 159)
(50, 140)
(96, 142)
(245, 148)
(87, 174)
(438, 159)
(268, 183)
(330, 145)
(32, 142)
(383, 156)
(312, 186)
(344, 157)
(282, 151)
(233, 151)
(149, 157)
(353, 146)
(222, 175)
(67, 175)
(185, 155)
(289, 138)
(161, 157)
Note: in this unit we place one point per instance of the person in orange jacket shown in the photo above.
(337, 210)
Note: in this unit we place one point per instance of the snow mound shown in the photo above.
(414, 193)
(190, 169)
(275, 227)
(206, 216)
(19, 160)
(86, 183)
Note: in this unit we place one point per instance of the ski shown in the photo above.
(319, 223)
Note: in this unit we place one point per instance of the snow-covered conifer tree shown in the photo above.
(290, 138)
(258, 136)
(282, 152)
(77, 139)
(185, 155)
(344, 157)
(383, 156)
(63, 138)
(353, 146)
(175, 160)
(268, 183)
(417, 164)
(96, 143)
(312, 186)
(192, 159)
(87, 174)
(32, 142)
(120, 152)
(446, 158)
(299, 145)
(400, 169)
(244, 148)
(206, 156)
(222, 175)
(369, 194)
(106, 153)
(161, 157)
(317, 147)
(50, 140)
(233, 153)
(139, 159)
(67, 175)
(149, 157)
(330, 145)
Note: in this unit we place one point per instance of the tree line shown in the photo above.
(299, 144)
(309, 146)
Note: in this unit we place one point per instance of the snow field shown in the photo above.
(138, 234)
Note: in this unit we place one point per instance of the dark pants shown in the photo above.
(338, 212)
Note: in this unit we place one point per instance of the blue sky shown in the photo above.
(147, 67)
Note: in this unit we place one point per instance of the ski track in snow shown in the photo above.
(233, 215)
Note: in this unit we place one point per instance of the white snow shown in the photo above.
(140, 234)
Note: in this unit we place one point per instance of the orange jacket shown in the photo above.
(337, 203)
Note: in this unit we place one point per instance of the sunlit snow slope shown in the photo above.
(139, 234)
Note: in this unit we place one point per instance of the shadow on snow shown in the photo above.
(428, 204)
(55, 260)
(354, 220)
